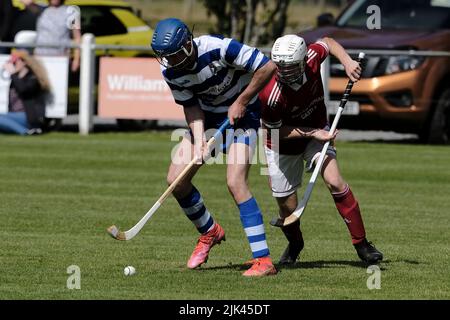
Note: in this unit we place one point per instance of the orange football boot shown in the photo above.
(261, 267)
(204, 245)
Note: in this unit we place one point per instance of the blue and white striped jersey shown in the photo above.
(224, 69)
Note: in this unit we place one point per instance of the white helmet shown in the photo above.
(25, 37)
(288, 53)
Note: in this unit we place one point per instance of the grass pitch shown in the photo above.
(59, 193)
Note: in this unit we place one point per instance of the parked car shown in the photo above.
(112, 23)
(403, 93)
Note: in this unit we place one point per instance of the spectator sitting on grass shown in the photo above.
(27, 95)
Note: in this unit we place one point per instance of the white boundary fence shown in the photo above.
(87, 69)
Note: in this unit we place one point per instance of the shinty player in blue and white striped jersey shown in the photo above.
(215, 79)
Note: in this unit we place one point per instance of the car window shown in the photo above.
(127, 17)
(400, 14)
(100, 21)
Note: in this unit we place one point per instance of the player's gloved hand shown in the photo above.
(324, 135)
(236, 112)
(353, 70)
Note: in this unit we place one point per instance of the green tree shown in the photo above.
(256, 22)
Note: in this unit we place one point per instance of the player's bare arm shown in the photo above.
(352, 67)
(291, 132)
(260, 78)
(195, 119)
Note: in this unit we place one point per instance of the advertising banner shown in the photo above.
(133, 88)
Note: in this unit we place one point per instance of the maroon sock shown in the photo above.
(349, 210)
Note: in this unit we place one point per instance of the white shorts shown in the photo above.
(286, 171)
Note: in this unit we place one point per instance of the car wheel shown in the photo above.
(136, 125)
(439, 130)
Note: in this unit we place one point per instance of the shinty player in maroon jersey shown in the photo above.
(295, 117)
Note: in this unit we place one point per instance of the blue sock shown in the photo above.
(196, 211)
(252, 221)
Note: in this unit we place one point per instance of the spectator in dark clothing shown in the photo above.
(26, 19)
(6, 17)
(27, 95)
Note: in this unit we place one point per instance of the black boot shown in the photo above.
(296, 244)
(367, 252)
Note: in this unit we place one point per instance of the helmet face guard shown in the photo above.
(290, 72)
(180, 58)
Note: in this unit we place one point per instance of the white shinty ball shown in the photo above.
(129, 271)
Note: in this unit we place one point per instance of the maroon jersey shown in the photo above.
(298, 105)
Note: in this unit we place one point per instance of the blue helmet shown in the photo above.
(169, 36)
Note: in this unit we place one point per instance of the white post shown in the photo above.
(87, 75)
(325, 72)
